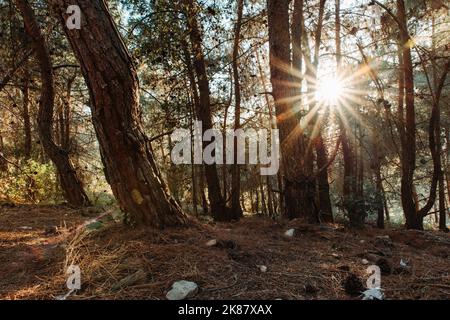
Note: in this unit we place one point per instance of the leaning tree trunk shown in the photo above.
(70, 183)
(114, 90)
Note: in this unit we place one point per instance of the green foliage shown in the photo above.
(32, 182)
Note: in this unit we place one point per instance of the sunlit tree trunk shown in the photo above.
(114, 91)
(299, 187)
(413, 221)
(3, 162)
(315, 124)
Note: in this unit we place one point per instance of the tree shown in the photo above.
(217, 202)
(70, 182)
(235, 181)
(299, 186)
(114, 91)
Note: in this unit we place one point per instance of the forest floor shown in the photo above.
(37, 243)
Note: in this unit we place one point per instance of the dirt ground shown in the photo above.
(38, 243)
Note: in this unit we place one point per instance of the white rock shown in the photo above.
(182, 290)
(211, 243)
(263, 268)
(373, 294)
(362, 241)
(403, 264)
(289, 233)
(365, 261)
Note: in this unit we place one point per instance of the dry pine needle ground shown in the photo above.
(118, 262)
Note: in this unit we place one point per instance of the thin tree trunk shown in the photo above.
(273, 125)
(26, 116)
(3, 162)
(236, 179)
(344, 120)
(217, 202)
(70, 183)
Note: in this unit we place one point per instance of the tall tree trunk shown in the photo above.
(273, 125)
(236, 179)
(26, 116)
(217, 202)
(315, 124)
(70, 183)
(195, 104)
(114, 90)
(325, 210)
(344, 120)
(413, 220)
(414, 217)
(299, 187)
(67, 114)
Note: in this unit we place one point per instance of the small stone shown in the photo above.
(335, 255)
(403, 264)
(365, 261)
(373, 294)
(263, 268)
(182, 290)
(290, 233)
(362, 241)
(211, 243)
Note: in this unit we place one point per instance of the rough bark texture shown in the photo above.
(70, 183)
(414, 216)
(114, 91)
(299, 188)
(409, 144)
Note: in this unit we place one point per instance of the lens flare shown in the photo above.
(329, 90)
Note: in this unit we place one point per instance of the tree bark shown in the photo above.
(299, 188)
(217, 202)
(26, 116)
(413, 220)
(235, 177)
(113, 86)
(70, 182)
